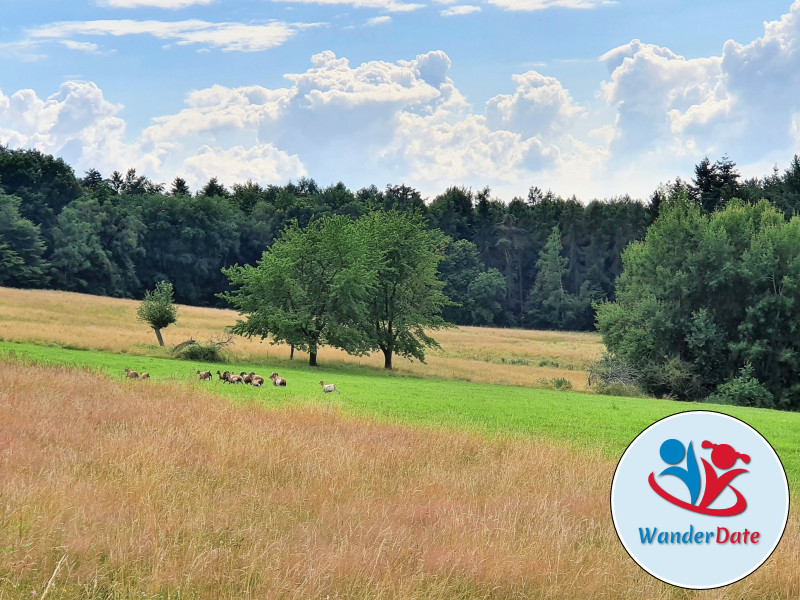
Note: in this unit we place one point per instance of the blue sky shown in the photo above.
(589, 97)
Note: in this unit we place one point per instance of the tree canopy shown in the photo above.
(309, 288)
(158, 309)
(703, 297)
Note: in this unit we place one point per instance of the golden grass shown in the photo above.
(503, 356)
(122, 489)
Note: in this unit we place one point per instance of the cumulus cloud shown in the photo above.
(229, 37)
(261, 163)
(464, 9)
(534, 5)
(539, 106)
(655, 115)
(77, 123)
(378, 21)
(742, 102)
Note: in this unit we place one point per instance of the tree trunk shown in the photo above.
(158, 335)
(291, 354)
(387, 358)
(312, 359)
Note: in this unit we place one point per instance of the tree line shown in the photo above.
(539, 261)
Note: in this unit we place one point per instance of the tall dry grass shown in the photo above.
(138, 490)
(504, 356)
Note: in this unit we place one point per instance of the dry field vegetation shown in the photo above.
(467, 353)
(113, 489)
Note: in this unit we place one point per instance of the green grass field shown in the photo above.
(582, 421)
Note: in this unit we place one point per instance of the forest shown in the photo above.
(538, 261)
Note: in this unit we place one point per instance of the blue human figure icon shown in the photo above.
(672, 453)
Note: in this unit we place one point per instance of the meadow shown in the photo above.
(467, 353)
(405, 485)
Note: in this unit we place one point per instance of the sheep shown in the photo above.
(144, 376)
(131, 374)
(245, 377)
(276, 381)
(233, 378)
(223, 376)
(331, 387)
(205, 375)
(256, 380)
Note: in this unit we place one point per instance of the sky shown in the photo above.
(592, 98)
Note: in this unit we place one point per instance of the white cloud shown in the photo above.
(226, 36)
(171, 4)
(464, 9)
(87, 47)
(540, 106)
(262, 163)
(378, 21)
(386, 5)
(534, 5)
(77, 123)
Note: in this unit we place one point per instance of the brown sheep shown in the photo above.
(144, 376)
(223, 376)
(256, 380)
(277, 381)
(131, 374)
(245, 377)
(205, 375)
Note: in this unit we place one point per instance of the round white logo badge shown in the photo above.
(700, 499)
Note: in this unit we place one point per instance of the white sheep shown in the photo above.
(331, 387)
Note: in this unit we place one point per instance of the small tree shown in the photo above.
(309, 289)
(157, 309)
(407, 300)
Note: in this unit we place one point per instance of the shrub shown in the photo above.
(743, 390)
(674, 379)
(556, 383)
(200, 352)
(619, 389)
(611, 370)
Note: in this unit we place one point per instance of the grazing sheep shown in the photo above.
(256, 380)
(233, 378)
(223, 376)
(131, 374)
(276, 381)
(331, 387)
(205, 375)
(144, 376)
(245, 377)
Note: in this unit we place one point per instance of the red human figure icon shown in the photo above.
(724, 457)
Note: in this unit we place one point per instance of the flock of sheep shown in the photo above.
(230, 377)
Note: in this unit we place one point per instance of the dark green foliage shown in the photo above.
(704, 295)
(157, 308)
(549, 304)
(200, 352)
(45, 185)
(743, 390)
(407, 299)
(476, 294)
(714, 185)
(21, 247)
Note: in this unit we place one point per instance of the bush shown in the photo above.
(619, 389)
(200, 352)
(743, 390)
(674, 379)
(556, 383)
(610, 370)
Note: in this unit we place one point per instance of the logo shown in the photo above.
(699, 500)
(723, 456)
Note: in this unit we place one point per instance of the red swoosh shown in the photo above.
(736, 509)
